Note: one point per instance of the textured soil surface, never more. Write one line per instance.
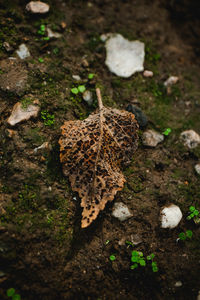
(44, 253)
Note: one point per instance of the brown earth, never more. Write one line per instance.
(44, 254)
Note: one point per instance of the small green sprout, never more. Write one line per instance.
(184, 235)
(81, 88)
(151, 256)
(48, 118)
(194, 213)
(129, 243)
(56, 51)
(154, 266)
(76, 90)
(41, 31)
(46, 38)
(112, 257)
(167, 131)
(107, 242)
(91, 76)
(41, 60)
(138, 259)
(11, 293)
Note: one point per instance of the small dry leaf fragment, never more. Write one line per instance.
(93, 152)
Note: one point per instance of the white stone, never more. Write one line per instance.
(37, 7)
(170, 216)
(190, 138)
(121, 211)
(198, 296)
(23, 51)
(148, 73)
(76, 77)
(152, 138)
(45, 145)
(171, 80)
(124, 57)
(178, 284)
(52, 34)
(20, 114)
(87, 96)
(197, 168)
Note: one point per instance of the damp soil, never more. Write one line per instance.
(44, 253)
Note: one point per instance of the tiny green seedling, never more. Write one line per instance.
(41, 60)
(107, 242)
(185, 235)
(112, 257)
(47, 118)
(129, 243)
(11, 293)
(138, 259)
(193, 214)
(167, 131)
(76, 90)
(91, 76)
(42, 29)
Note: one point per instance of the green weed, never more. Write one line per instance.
(48, 118)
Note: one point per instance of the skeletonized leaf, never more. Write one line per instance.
(93, 152)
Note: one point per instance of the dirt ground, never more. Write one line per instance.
(44, 253)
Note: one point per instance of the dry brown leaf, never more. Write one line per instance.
(93, 152)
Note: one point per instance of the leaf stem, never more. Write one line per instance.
(100, 103)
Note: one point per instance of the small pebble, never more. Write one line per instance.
(170, 216)
(7, 46)
(198, 296)
(87, 96)
(20, 114)
(178, 284)
(136, 239)
(76, 77)
(139, 115)
(121, 211)
(45, 145)
(151, 138)
(147, 73)
(52, 34)
(171, 80)
(190, 138)
(197, 168)
(23, 51)
(37, 7)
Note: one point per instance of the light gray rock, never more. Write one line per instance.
(136, 239)
(7, 46)
(76, 77)
(190, 139)
(121, 211)
(20, 114)
(52, 34)
(178, 284)
(170, 216)
(198, 296)
(87, 96)
(197, 168)
(37, 7)
(148, 73)
(23, 51)
(124, 57)
(152, 138)
(171, 80)
(44, 146)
